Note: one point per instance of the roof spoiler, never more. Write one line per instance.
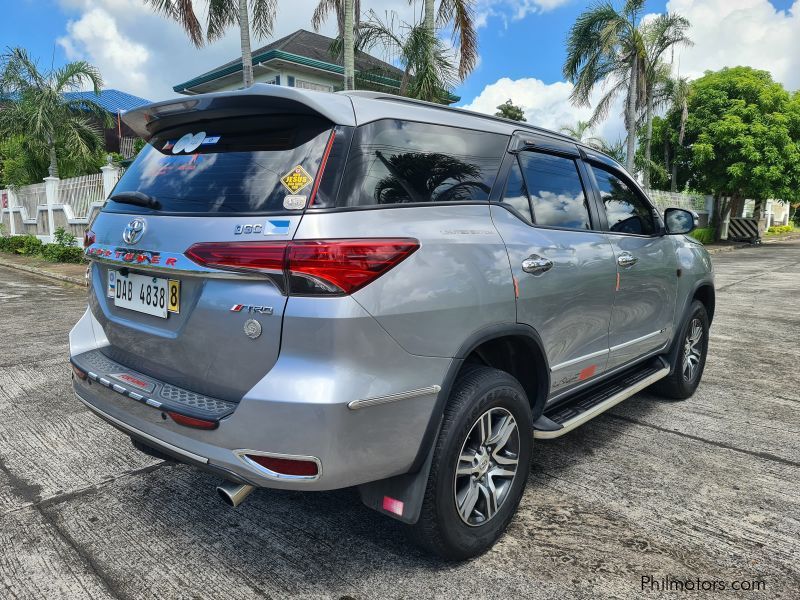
(260, 99)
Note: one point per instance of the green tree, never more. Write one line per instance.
(459, 13)
(348, 14)
(509, 110)
(426, 77)
(54, 130)
(221, 14)
(606, 45)
(742, 137)
(659, 35)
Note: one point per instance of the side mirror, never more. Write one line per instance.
(680, 221)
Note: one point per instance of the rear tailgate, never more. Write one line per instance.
(224, 168)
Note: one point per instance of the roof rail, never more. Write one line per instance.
(520, 124)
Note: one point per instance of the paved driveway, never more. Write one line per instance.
(708, 488)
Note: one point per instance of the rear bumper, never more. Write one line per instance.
(308, 406)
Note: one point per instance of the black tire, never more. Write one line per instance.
(678, 385)
(478, 392)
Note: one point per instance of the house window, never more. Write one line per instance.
(309, 85)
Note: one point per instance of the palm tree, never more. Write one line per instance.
(461, 14)
(39, 112)
(221, 14)
(580, 131)
(347, 11)
(676, 95)
(659, 35)
(426, 76)
(606, 44)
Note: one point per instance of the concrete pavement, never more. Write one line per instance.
(705, 489)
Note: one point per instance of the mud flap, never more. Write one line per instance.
(399, 497)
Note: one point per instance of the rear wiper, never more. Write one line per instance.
(137, 199)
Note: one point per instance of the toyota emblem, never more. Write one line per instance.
(133, 231)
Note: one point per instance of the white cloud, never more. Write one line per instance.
(97, 35)
(512, 9)
(741, 32)
(545, 104)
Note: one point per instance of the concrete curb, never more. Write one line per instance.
(79, 281)
(764, 241)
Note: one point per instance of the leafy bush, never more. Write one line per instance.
(63, 250)
(778, 229)
(62, 254)
(64, 238)
(704, 235)
(31, 246)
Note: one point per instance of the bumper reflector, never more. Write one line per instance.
(286, 466)
(191, 421)
(79, 373)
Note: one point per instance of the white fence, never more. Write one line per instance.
(80, 193)
(664, 200)
(31, 197)
(41, 208)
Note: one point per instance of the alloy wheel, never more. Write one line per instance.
(487, 465)
(692, 350)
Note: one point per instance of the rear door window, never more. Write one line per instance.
(402, 162)
(237, 165)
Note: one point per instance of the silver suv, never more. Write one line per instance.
(311, 291)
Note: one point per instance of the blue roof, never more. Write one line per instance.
(112, 100)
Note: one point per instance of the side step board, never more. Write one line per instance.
(575, 411)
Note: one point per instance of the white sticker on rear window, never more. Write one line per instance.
(294, 202)
(211, 139)
(189, 142)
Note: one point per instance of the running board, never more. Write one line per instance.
(585, 406)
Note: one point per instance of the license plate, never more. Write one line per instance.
(150, 295)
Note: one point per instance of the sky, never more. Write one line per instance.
(521, 45)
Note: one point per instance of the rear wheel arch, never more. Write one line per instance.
(530, 369)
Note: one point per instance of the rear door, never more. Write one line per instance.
(563, 265)
(644, 304)
(224, 181)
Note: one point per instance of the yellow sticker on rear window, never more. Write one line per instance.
(296, 179)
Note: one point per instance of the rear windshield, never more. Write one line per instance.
(237, 165)
(402, 162)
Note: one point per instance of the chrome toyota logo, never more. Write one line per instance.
(133, 231)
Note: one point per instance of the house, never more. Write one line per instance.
(118, 137)
(302, 59)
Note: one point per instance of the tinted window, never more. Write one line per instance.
(228, 166)
(556, 191)
(398, 162)
(516, 194)
(627, 212)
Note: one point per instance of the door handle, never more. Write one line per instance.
(536, 265)
(626, 259)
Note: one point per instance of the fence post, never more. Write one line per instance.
(12, 202)
(51, 191)
(110, 176)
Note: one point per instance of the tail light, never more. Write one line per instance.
(310, 267)
(88, 238)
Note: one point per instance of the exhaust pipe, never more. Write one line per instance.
(233, 494)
